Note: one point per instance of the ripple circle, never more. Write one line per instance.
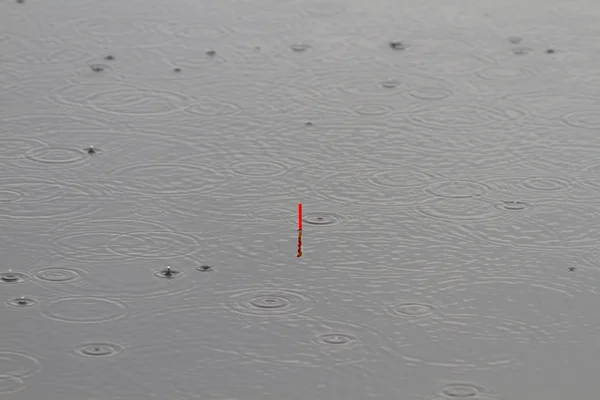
(336, 339)
(460, 390)
(138, 102)
(172, 179)
(585, 119)
(10, 384)
(555, 226)
(84, 310)
(120, 240)
(426, 93)
(322, 219)
(372, 109)
(56, 155)
(58, 274)
(15, 148)
(18, 365)
(48, 199)
(413, 310)
(458, 209)
(256, 169)
(98, 349)
(457, 189)
(213, 109)
(372, 188)
(461, 116)
(271, 303)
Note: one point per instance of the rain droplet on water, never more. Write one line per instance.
(390, 84)
(397, 45)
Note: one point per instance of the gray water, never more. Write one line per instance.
(450, 186)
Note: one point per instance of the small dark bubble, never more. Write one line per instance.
(571, 269)
(397, 45)
(308, 123)
(211, 52)
(205, 268)
(20, 1)
(550, 51)
(109, 57)
(177, 69)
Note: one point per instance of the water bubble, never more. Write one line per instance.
(177, 69)
(23, 302)
(300, 47)
(308, 123)
(571, 269)
(211, 52)
(550, 51)
(205, 268)
(109, 58)
(515, 39)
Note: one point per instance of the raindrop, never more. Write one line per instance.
(98, 67)
(23, 302)
(90, 150)
(413, 309)
(99, 349)
(336, 339)
(271, 303)
(514, 205)
(323, 219)
(300, 47)
(168, 273)
(460, 390)
(397, 45)
(390, 84)
(522, 50)
(12, 277)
